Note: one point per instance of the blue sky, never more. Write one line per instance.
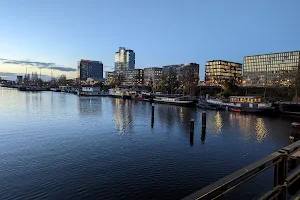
(161, 32)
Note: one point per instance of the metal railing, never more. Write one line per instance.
(282, 179)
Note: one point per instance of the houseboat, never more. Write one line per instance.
(211, 104)
(249, 104)
(121, 93)
(91, 91)
(55, 90)
(67, 89)
(180, 101)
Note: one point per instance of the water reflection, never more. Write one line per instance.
(172, 115)
(218, 123)
(249, 125)
(89, 106)
(261, 130)
(122, 115)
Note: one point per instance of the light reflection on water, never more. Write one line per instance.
(64, 144)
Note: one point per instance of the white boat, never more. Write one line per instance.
(121, 93)
(174, 101)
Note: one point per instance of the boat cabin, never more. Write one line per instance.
(245, 99)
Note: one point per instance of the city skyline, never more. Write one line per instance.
(206, 31)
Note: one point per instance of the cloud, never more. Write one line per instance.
(13, 76)
(43, 65)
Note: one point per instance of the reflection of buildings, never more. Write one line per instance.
(172, 115)
(122, 114)
(249, 124)
(89, 106)
(261, 131)
(218, 122)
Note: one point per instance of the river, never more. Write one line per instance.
(61, 146)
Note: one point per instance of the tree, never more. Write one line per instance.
(117, 80)
(162, 83)
(189, 81)
(172, 82)
(62, 80)
(99, 84)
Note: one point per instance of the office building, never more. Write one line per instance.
(139, 76)
(19, 79)
(109, 76)
(124, 59)
(152, 75)
(90, 69)
(131, 77)
(271, 69)
(218, 71)
(185, 73)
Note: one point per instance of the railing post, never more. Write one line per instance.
(280, 174)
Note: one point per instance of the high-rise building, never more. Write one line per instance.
(270, 69)
(124, 59)
(19, 79)
(90, 69)
(152, 75)
(217, 71)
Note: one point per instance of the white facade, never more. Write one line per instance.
(90, 89)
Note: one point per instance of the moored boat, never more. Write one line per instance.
(174, 101)
(249, 104)
(121, 93)
(211, 104)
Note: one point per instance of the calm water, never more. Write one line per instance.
(60, 146)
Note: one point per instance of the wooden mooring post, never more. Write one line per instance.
(203, 120)
(295, 132)
(192, 127)
(152, 116)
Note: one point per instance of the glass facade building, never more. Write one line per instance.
(109, 76)
(152, 75)
(131, 76)
(271, 69)
(90, 69)
(217, 71)
(124, 59)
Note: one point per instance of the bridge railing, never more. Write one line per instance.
(282, 179)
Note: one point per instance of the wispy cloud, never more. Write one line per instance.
(13, 76)
(43, 65)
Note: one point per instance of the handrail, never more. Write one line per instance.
(228, 183)
(231, 181)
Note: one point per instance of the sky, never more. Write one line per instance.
(56, 34)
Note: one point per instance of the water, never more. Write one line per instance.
(60, 146)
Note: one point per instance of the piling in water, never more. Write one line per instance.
(203, 134)
(152, 116)
(192, 126)
(295, 131)
(203, 119)
(191, 138)
(152, 110)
